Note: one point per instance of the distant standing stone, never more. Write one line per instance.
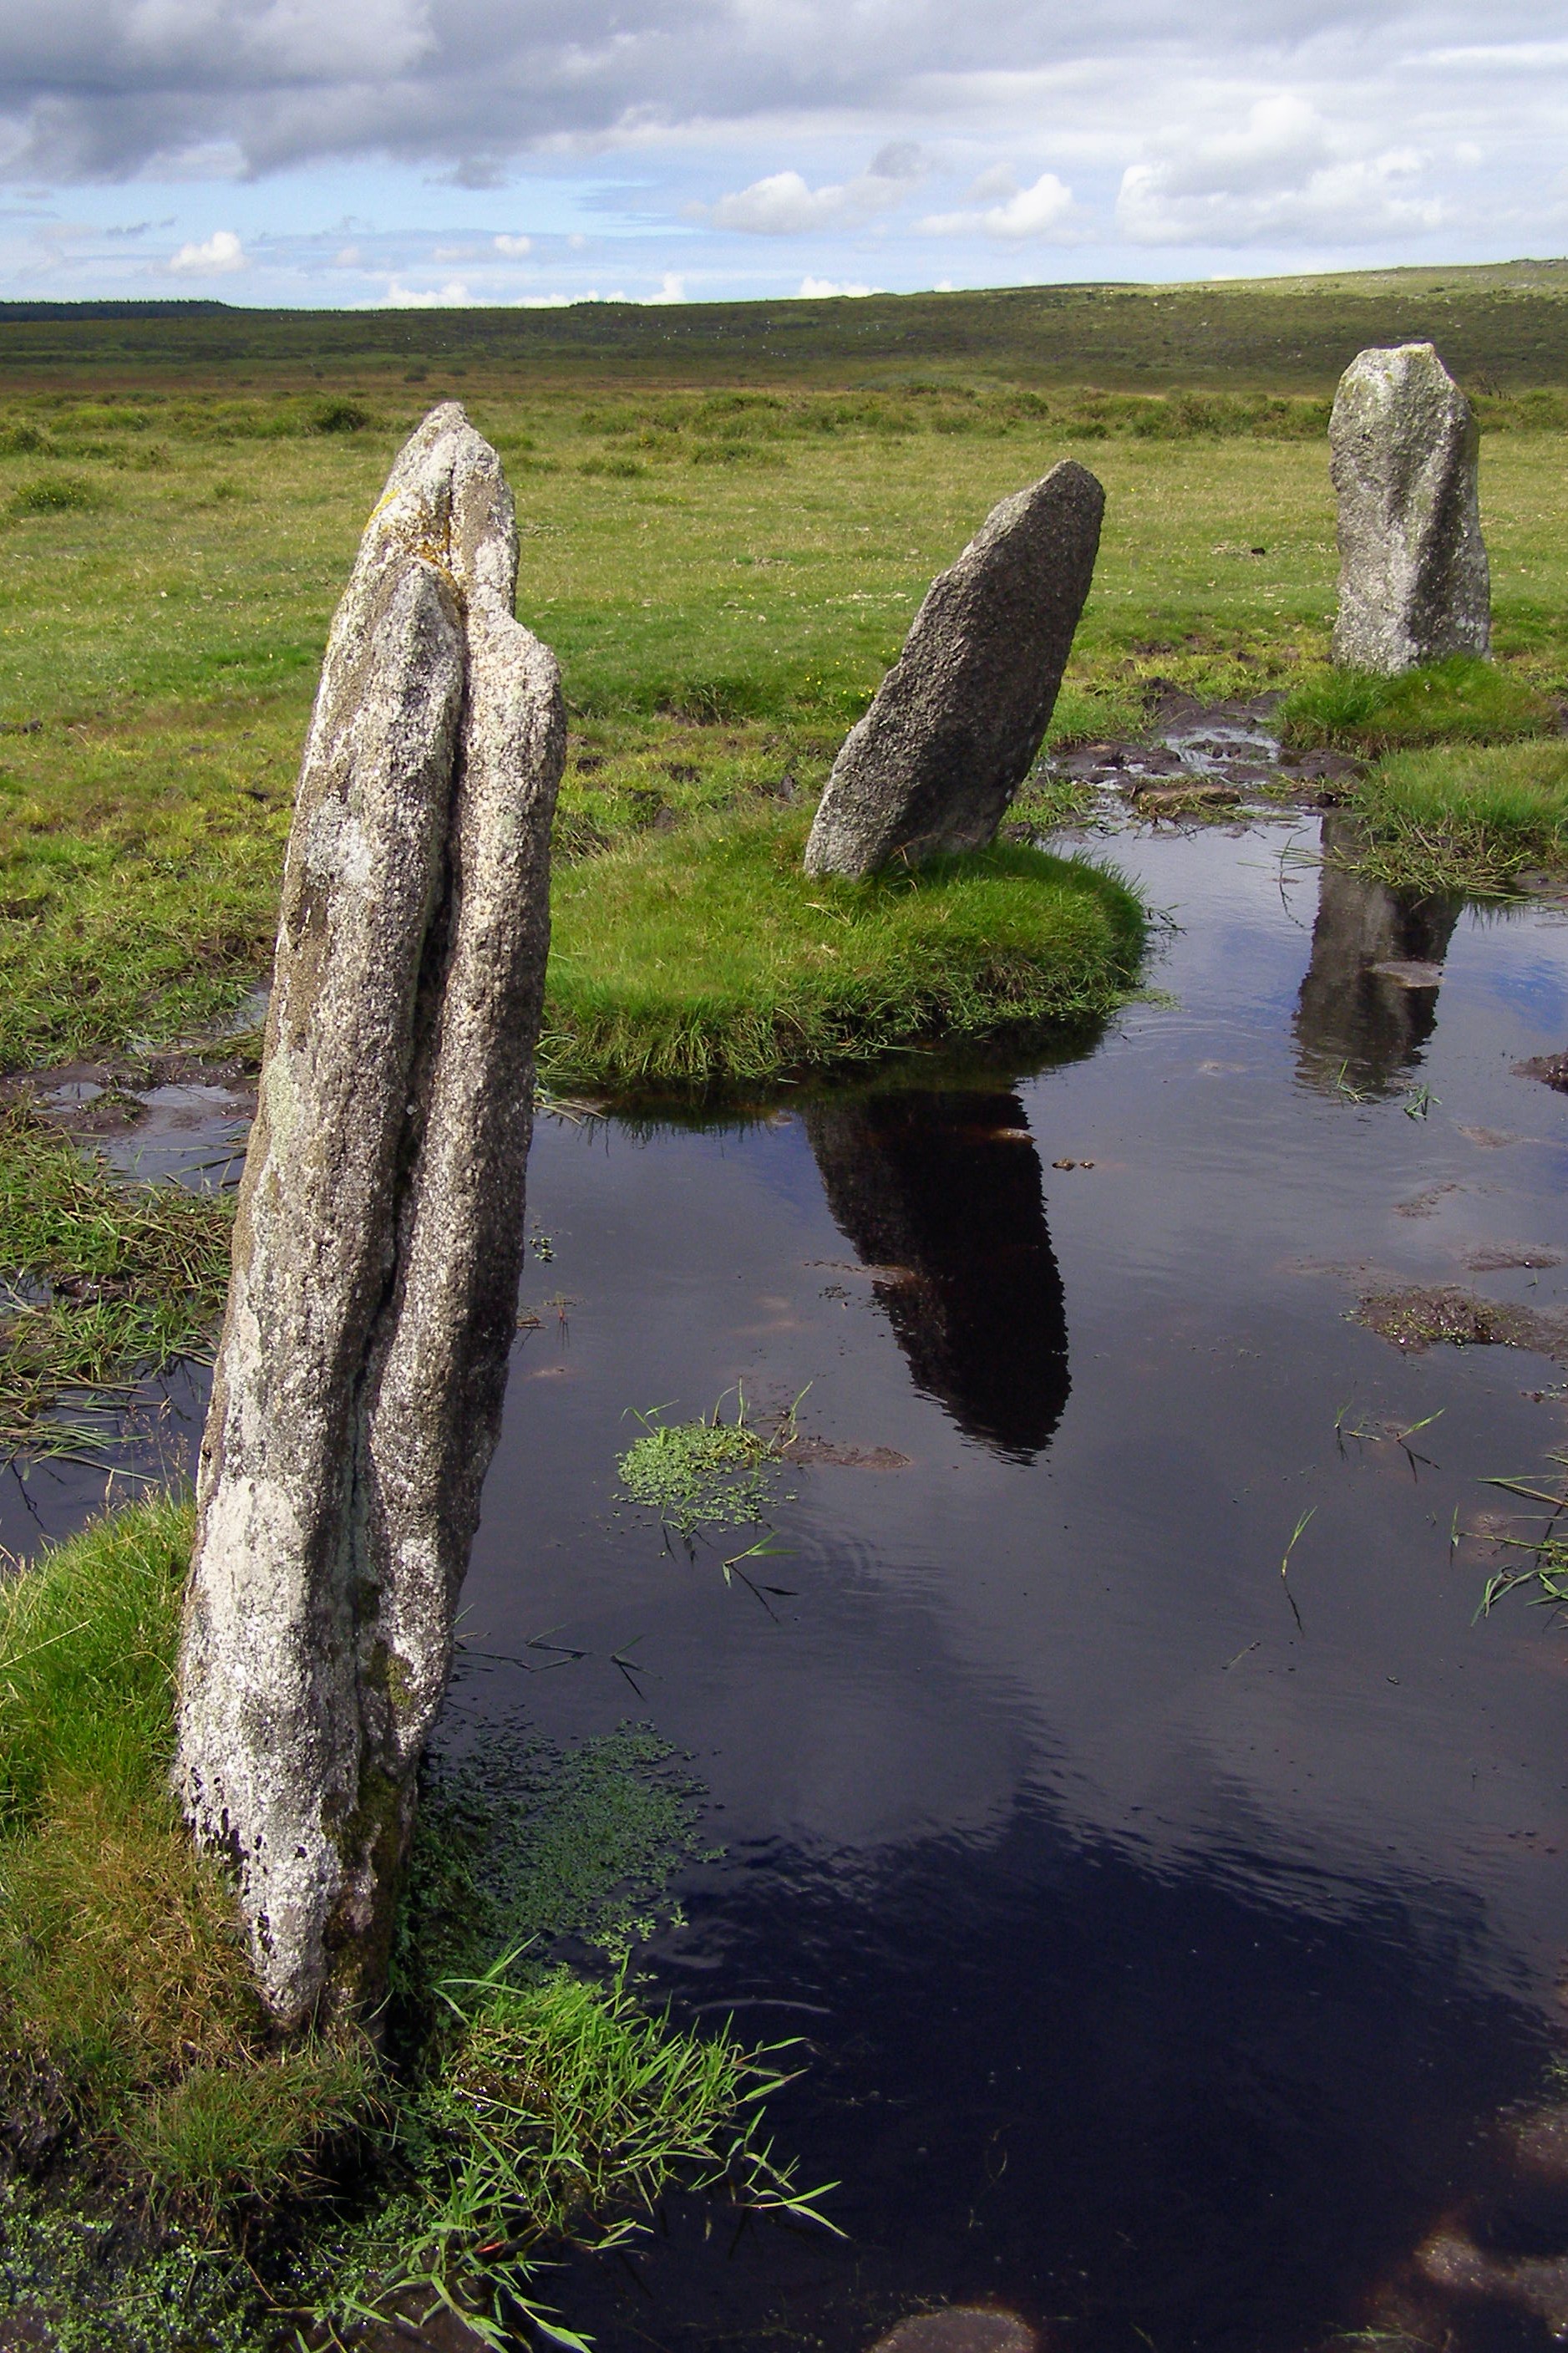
(958, 720)
(1413, 582)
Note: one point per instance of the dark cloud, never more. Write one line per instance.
(103, 89)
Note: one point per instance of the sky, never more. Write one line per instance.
(353, 153)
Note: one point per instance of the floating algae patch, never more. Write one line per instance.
(521, 1847)
(1421, 1316)
(704, 1473)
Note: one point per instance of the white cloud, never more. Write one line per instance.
(784, 206)
(453, 295)
(820, 288)
(1036, 211)
(215, 256)
(1283, 175)
(348, 257)
(514, 247)
(672, 289)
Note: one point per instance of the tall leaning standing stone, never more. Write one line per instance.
(958, 720)
(379, 1236)
(1413, 582)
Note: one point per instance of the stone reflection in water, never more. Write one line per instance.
(941, 1197)
(1368, 1000)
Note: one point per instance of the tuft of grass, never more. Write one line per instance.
(341, 416)
(1465, 819)
(1545, 1566)
(558, 2103)
(58, 494)
(106, 1280)
(708, 958)
(226, 2137)
(704, 1473)
(1460, 700)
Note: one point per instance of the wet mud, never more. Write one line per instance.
(1425, 1316)
(1206, 760)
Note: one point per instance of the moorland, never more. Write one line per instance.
(728, 517)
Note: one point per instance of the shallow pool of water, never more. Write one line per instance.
(1171, 1939)
(1163, 1962)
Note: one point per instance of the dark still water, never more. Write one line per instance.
(1171, 1971)
(1163, 1967)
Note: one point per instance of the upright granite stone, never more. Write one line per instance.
(958, 720)
(1413, 582)
(379, 1236)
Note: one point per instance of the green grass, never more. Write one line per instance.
(1500, 324)
(1460, 700)
(1462, 817)
(557, 2104)
(701, 1475)
(719, 626)
(708, 958)
(137, 2065)
(130, 1276)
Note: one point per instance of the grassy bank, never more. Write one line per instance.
(241, 2185)
(105, 1278)
(1468, 783)
(1466, 819)
(1460, 700)
(708, 957)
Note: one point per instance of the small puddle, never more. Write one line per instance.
(1205, 760)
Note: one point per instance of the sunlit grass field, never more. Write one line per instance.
(725, 576)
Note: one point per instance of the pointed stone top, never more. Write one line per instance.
(447, 498)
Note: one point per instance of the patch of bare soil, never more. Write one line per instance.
(845, 1458)
(1421, 1316)
(1552, 1070)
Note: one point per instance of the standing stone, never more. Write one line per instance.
(379, 1235)
(958, 720)
(1413, 582)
